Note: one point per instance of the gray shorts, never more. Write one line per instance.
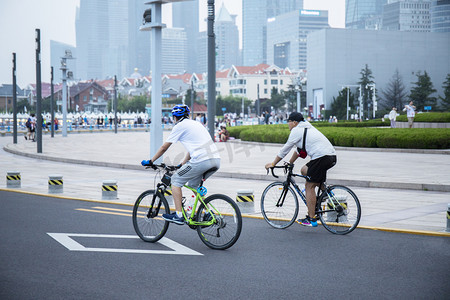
(192, 173)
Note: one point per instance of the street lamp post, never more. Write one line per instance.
(371, 86)
(68, 55)
(38, 93)
(348, 86)
(115, 104)
(14, 100)
(211, 69)
(52, 108)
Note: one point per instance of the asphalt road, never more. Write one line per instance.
(265, 263)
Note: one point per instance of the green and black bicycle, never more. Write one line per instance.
(216, 218)
(337, 206)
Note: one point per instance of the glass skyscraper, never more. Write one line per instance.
(185, 15)
(227, 39)
(287, 37)
(358, 11)
(440, 16)
(254, 26)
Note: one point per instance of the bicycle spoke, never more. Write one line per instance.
(340, 210)
(279, 206)
(225, 230)
(147, 220)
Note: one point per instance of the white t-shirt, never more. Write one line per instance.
(195, 138)
(317, 145)
(409, 111)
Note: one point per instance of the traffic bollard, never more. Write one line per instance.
(13, 179)
(55, 184)
(245, 201)
(109, 189)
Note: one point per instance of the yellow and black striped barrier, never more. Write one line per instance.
(13, 179)
(245, 200)
(242, 198)
(109, 189)
(55, 184)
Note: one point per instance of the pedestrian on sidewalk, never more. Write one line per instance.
(393, 116)
(410, 113)
(309, 141)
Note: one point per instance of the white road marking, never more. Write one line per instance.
(66, 240)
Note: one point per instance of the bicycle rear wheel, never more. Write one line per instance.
(339, 209)
(277, 212)
(147, 216)
(227, 228)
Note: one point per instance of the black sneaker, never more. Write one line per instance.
(174, 218)
(310, 222)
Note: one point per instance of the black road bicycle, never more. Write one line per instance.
(337, 206)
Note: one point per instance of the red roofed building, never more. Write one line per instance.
(243, 81)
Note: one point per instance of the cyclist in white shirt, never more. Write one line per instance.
(202, 156)
(323, 157)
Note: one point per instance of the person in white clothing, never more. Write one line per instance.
(323, 157)
(410, 113)
(393, 116)
(202, 157)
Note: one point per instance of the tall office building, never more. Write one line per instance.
(254, 26)
(287, 36)
(174, 51)
(116, 57)
(227, 39)
(202, 52)
(92, 37)
(407, 15)
(361, 14)
(186, 15)
(440, 16)
(139, 41)
(102, 38)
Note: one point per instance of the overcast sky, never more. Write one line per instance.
(56, 20)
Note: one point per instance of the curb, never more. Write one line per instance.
(387, 229)
(353, 183)
(398, 150)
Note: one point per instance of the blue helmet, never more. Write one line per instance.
(180, 110)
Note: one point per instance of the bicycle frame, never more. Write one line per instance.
(161, 188)
(290, 181)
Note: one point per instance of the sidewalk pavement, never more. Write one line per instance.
(401, 189)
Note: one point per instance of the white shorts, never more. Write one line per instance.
(192, 173)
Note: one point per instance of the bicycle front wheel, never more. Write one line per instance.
(339, 209)
(279, 205)
(226, 229)
(147, 216)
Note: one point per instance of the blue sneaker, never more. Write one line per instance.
(174, 218)
(311, 222)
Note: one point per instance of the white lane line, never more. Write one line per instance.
(66, 240)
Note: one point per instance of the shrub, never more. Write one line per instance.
(433, 117)
(416, 138)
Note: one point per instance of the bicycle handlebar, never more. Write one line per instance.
(163, 166)
(288, 168)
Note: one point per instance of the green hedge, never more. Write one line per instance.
(432, 117)
(416, 138)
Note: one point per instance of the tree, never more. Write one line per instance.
(232, 104)
(339, 105)
(394, 95)
(420, 94)
(366, 78)
(277, 100)
(446, 99)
